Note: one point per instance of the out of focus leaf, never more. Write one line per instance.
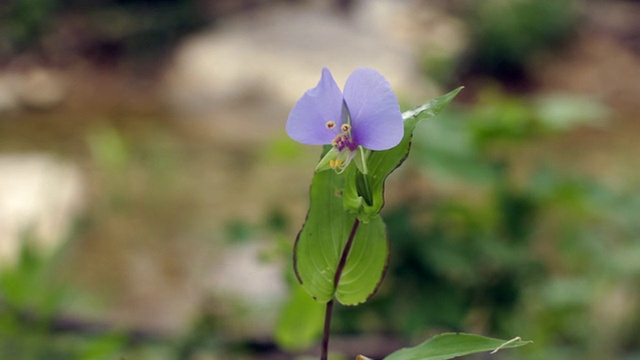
(300, 323)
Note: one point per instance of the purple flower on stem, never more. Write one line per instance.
(367, 116)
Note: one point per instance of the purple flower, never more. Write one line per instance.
(366, 116)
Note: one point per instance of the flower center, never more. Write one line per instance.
(343, 142)
(343, 139)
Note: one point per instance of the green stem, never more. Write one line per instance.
(336, 280)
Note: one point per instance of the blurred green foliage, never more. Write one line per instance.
(506, 35)
(300, 324)
(99, 28)
(24, 21)
(31, 325)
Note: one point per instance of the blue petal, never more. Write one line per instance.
(376, 120)
(308, 118)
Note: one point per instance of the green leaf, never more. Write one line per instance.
(451, 345)
(322, 239)
(300, 323)
(382, 163)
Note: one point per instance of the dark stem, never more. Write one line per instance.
(336, 280)
(327, 330)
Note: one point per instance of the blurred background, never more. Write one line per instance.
(150, 198)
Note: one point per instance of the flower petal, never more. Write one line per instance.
(376, 120)
(308, 118)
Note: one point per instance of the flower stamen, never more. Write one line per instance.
(330, 125)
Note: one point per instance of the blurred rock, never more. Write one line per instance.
(41, 88)
(36, 88)
(8, 99)
(39, 194)
(247, 290)
(246, 74)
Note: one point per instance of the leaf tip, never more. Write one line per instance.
(515, 339)
(362, 357)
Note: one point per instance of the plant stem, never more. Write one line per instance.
(336, 280)
(327, 330)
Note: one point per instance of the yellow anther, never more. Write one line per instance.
(330, 124)
(336, 163)
(345, 127)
